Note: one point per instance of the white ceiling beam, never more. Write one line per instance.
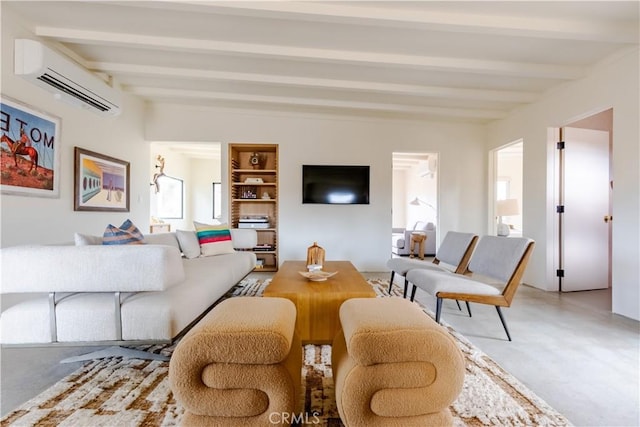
(150, 92)
(318, 83)
(444, 64)
(549, 27)
(410, 157)
(200, 154)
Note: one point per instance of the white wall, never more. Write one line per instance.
(359, 233)
(426, 188)
(399, 202)
(49, 220)
(614, 84)
(204, 173)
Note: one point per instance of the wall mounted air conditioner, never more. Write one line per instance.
(67, 80)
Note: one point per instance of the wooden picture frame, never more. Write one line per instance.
(30, 150)
(101, 183)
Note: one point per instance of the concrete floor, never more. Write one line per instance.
(568, 348)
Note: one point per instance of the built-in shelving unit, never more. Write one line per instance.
(253, 177)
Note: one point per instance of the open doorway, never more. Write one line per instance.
(198, 166)
(506, 190)
(415, 200)
(584, 183)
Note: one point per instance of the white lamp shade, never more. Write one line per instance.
(507, 207)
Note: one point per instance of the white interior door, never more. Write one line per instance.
(585, 234)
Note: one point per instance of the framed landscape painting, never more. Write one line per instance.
(29, 150)
(101, 183)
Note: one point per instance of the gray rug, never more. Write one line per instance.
(133, 392)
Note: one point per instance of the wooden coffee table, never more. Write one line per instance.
(318, 302)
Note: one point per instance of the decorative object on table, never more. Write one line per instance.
(507, 207)
(315, 254)
(318, 275)
(101, 182)
(30, 156)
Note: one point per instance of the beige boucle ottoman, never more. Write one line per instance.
(393, 365)
(240, 365)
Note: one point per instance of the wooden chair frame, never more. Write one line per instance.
(461, 268)
(502, 300)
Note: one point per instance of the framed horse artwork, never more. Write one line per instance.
(29, 150)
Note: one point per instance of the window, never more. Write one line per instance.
(217, 200)
(169, 197)
(502, 188)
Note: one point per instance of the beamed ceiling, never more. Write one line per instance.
(464, 61)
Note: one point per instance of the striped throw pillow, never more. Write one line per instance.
(214, 239)
(126, 234)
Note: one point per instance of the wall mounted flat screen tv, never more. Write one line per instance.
(335, 184)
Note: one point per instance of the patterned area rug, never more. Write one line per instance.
(133, 392)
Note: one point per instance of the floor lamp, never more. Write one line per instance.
(419, 202)
(507, 207)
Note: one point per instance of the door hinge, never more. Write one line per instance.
(560, 209)
(560, 272)
(560, 145)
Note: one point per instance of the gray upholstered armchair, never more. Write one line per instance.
(401, 238)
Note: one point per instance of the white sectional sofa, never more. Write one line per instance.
(113, 294)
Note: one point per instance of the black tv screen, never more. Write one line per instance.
(330, 184)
